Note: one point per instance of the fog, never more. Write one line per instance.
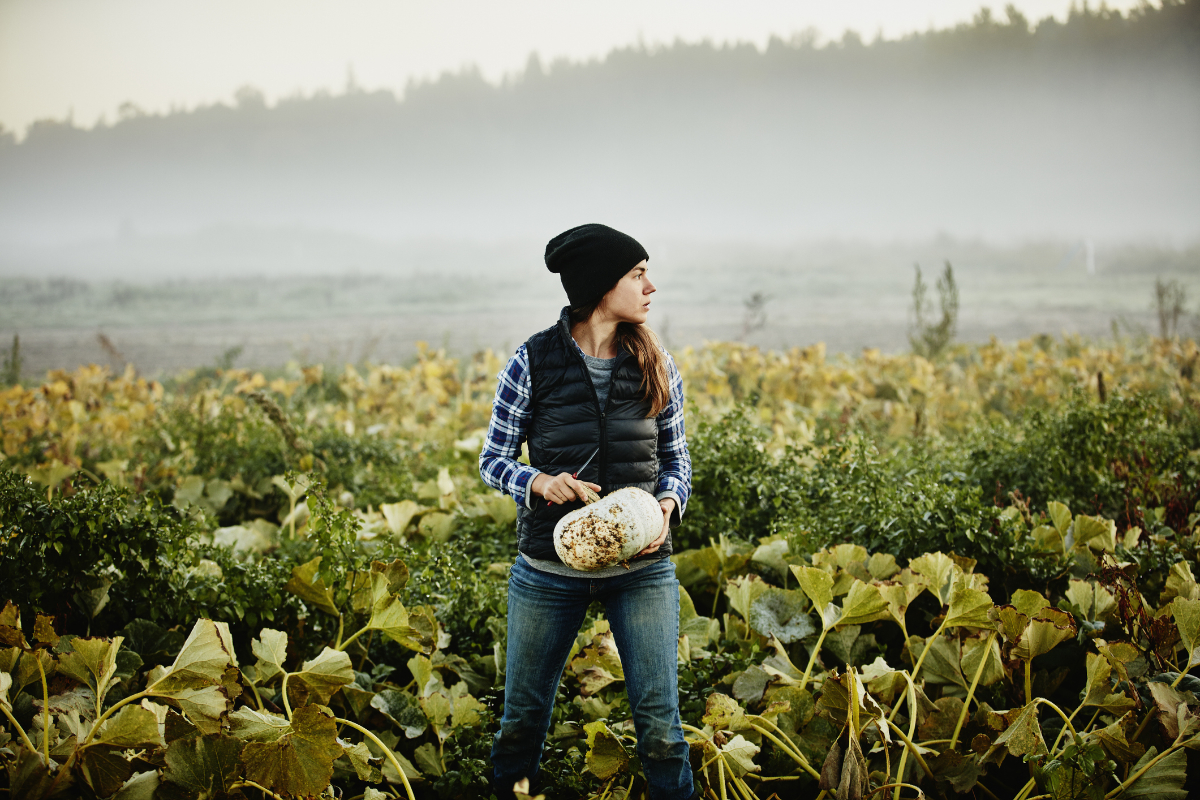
(998, 137)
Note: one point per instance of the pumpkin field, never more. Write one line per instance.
(972, 575)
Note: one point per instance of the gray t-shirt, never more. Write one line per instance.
(601, 371)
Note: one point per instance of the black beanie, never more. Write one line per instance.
(590, 259)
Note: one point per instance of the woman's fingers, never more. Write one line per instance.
(662, 537)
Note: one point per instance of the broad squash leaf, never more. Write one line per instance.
(299, 763)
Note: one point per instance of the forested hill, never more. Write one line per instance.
(1000, 127)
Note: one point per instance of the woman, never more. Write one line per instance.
(595, 386)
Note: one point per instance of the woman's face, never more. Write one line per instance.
(629, 300)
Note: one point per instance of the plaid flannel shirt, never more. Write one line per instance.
(509, 426)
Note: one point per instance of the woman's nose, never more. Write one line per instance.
(650, 287)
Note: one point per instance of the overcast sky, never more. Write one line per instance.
(87, 57)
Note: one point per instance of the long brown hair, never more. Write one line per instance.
(641, 343)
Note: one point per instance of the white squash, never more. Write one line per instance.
(609, 530)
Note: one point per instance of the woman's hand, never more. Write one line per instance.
(561, 488)
(667, 504)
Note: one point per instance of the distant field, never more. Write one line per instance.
(849, 296)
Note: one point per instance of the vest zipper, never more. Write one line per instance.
(602, 467)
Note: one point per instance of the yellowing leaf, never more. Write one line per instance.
(863, 604)
(203, 679)
(271, 649)
(1028, 602)
(743, 591)
(1099, 687)
(1187, 619)
(131, 727)
(816, 583)
(1060, 516)
(968, 608)
(324, 675)
(310, 587)
(606, 756)
(1045, 632)
(92, 662)
(1024, 736)
(724, 713)
(299, 763)
(1096, 532)
(939, 570)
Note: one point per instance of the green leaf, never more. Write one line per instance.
(104, 769)
(300, 762)
(863, 604)
(773, 556)
(366, 766)
(257, 726)
(1187, 619)
(816, 583)
(1099, 687)
(941, 665)
(973, 651)
(1112, 738)
(781, 613)
(1028, 602)
(203, 766)
(849, 645)
(1024, 736)
(1011, 623)
(1046, 631)
(699, 630)
(399, 515)
(882, 566)
(1164, 780)
(92, 662)
(598, 664)
(131, 727)
(310, 587)
(899, 597)
(1093, 601)
(1060, 515)
(968, 608)
(465, 710)
(697, 568)
(606, 756)
(28, 776)
(743, 591)
(1096, 532)
(939, 570)
(271, 649)
(323, 675)
(427, 759)
(203, 679)
(403, 709)
(151, 641)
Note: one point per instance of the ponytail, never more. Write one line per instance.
(641, 343)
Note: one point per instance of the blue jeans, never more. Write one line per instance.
(545, 612)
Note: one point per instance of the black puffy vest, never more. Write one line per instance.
(567, 425)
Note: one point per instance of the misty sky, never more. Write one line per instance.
(60, 57)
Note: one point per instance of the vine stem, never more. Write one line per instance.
(262, 789)
(785, 743)
(962, 717)
(721, 776)
(1028, 681)
(1044, 702)
(112, 709)
(909, 744)
(45, 708)
(812, 659)
(912, 729)
(1058, 738)
(349, 641)
(897, 786)
(1180, 676)
(287, 707)
(920, 660)
(17, 725)
(387, 751)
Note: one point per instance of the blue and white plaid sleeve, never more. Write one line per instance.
(674, 460)
(507, 431)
